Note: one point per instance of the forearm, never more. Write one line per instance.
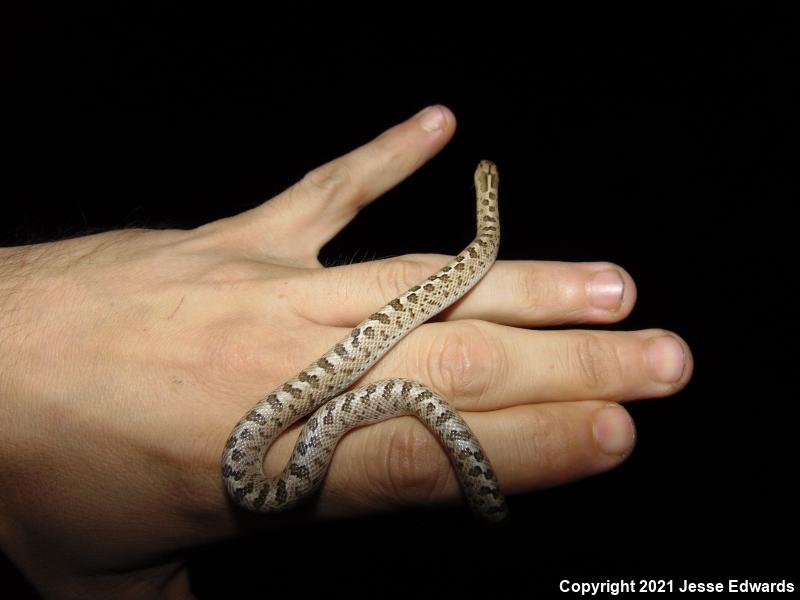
(12, 277)
(32, 461)
(15, 269)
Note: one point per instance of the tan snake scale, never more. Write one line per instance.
(321, 387)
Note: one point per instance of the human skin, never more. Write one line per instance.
(127, 357)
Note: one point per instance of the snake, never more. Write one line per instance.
(321, 390)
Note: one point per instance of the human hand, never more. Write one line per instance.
(127, 357)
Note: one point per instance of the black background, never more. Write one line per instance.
(658, 140)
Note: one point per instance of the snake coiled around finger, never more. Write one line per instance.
(323, 388)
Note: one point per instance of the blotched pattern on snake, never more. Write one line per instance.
(322, 387)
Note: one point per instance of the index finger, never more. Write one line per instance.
(524, 293)
(311, 212)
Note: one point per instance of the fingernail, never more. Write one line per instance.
(665, 358)
(613, 430)
(605, 290)
(431, 118)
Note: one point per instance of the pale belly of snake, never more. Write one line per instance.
(322, 386)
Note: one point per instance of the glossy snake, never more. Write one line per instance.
(321, 386)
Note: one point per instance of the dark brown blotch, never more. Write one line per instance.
(425, 395)
(255, 417)
(280, 491)
(326, 365)
(347, 403)
(443, 418)
(262, 496)
(382, 318)
(300, 471)
(457, 434)
(291, 390)
(308, 378)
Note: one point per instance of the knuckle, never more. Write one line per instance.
(535, 434)
(332, 181)
(595, 360)
(397, 275)
(415, 469)
(387, 153)
(535, 289)
(229, 355)
(465, 361)
(540, 445)
(231, 272)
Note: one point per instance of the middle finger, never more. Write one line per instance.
(484, 366)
